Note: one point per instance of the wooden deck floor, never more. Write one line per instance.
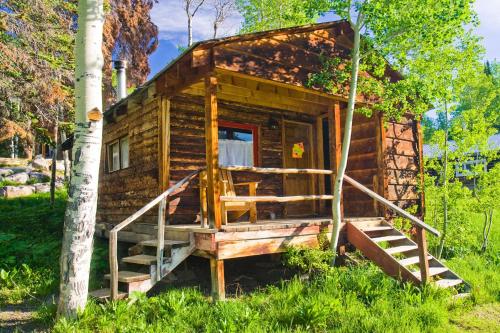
(258, 226)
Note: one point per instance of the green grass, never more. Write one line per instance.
(345, 299)
(356, 299)
(30, 245)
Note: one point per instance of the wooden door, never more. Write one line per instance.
(299, 136)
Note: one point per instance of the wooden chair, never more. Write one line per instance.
(231, 211)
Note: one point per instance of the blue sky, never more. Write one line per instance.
(171, 21)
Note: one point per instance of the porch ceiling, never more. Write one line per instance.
(247, 89)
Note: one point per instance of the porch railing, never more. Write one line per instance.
(113, 234)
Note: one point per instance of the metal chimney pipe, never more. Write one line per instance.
(121, 78)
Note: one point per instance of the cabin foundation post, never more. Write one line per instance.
(218, 282)
(212, 152)
(334, 115)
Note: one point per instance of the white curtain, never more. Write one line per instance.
(236, 152)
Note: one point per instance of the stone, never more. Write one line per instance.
(41, 163)
(39, 177)
(16, 191)
(60, 165)
(4, 172)
(42, 188)
(21, 177)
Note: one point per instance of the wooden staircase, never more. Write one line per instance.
(138, 271)
(399, 256)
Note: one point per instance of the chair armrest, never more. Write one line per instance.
(246, 183)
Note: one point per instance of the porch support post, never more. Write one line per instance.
(335, 144)
(212, 152)
(218, 282)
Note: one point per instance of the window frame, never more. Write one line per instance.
(247, 127)
(109, 157)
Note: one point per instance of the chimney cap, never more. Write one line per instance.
(120, 64)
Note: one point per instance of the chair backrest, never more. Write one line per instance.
(227, 179)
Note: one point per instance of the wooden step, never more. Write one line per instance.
(433, 271)
(127, 276)
(401, 249)
(411, 260)
(379, 228)
(105, 293)
(140, 259)
(168, 242)
(447, 283)
(388, 238)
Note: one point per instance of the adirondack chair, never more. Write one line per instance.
(231, 211)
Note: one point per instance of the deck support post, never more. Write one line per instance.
(335, 144)
(212, 152)
(422, 254)
(218, 282)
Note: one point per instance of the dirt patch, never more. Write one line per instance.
(482, 318)
(20, 318)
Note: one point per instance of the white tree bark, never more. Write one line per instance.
(79, 220)
(346, 141)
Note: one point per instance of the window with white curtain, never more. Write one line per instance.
(236, 146)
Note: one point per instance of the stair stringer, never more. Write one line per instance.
(177, 256)
(375, 253)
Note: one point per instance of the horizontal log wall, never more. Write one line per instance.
(187, 152)
(402, 160)
(361, 166)
(123, 192)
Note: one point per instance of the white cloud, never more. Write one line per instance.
(171, 20)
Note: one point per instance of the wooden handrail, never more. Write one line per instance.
(113, 234)
(415, 221)
(277, 170)
(272, 198)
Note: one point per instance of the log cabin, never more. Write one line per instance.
(228, 153)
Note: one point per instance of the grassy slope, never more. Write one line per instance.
(346, 299)
(30, 243)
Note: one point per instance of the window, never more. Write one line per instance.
(238, 144)
(118, 154)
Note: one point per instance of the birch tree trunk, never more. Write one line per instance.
(346, 141)
(190, 30)
(445, 185)
(79, 220)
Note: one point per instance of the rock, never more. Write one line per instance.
(60, 165)
(4, 172)
(21, 177)
(42, 188)
(41, 163)
(16, 191)
(39, 177)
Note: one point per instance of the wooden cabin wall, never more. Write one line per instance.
(361, 166)
(402, 162)
(399, 164)
(187, 151)
(123, 192)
